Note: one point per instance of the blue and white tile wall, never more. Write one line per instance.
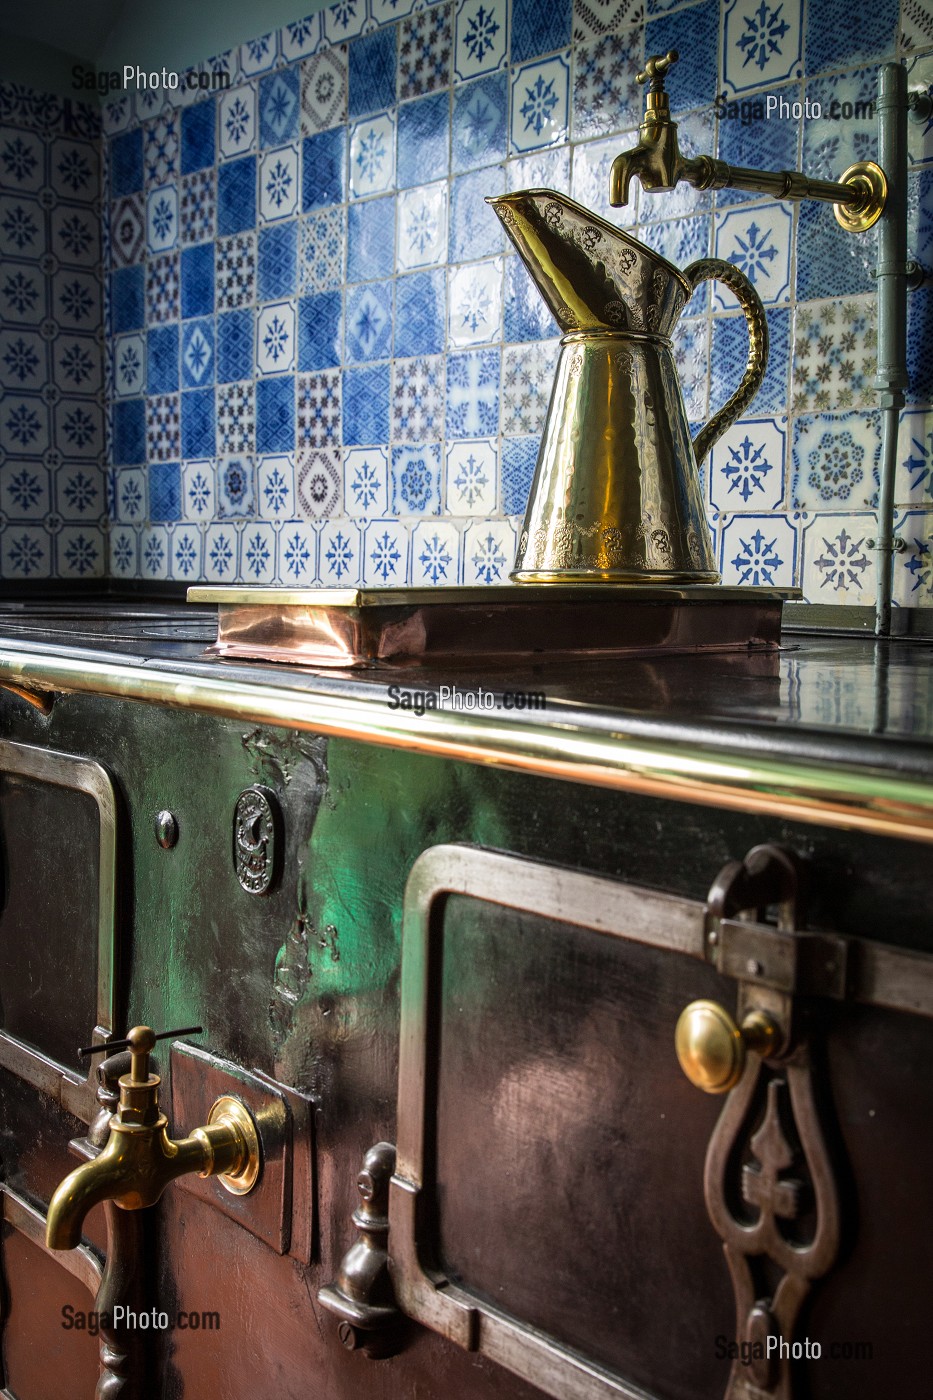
(325, 366)
(53, 508)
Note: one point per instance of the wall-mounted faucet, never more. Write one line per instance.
(658, 163)
(140, 1159)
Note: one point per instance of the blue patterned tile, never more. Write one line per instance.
(279, 104)
(846, 130)
(127, 299)
(75, 299)
(761, 43)
(750, 138)
(606, 97)
(540, 114)
(694, 33)
(730, 356)
(320, 336)
(371, 238)
(236, 195)
(298, 553)
(519, 458)
(839, 33)
(488, 552)
(479, 122)
(79, 492)
(160, 149)
(473, 394)
(257, 554)
(276, 488)
(124, 553)
(424, 51)
(920, 345)
(365, 481)
(366, 406)
(838, 564)
(236, 417)
(197, 353)
(757, 239)
(759, 550)
(198, 492)
(321, 250)
(435, 554)
(527, 380)
(164, 491)
(197, 136)
(185, 547)
(197, 280)
(154, 551)
(318, 482)
(234, 346)
(372, 72)
(129, 432)
(920, 79)
(482, 38)
(323, 163)
(27, 552)
(836, 461)
(539, 28)
(475, 303)
(277, 261)
(418, 399)
(163, 428)
(221, 548)
(162, 360)
(344, 20)
(835, 355)
(385, 554)
(235, 271)
(369, 321)
(474, 229)
(319, 409)
(80, 553)
(198, 215)
(275, 414)
(746, 468)
(275, 338)
(526, 315)
(472, 471)
(324, 90)
(126, 163)
(236, 485)
(423, 140)
(26, 491)
(416, 479)
(237, 121)
(420, 313)
(162, 290)
(278, 184)
(130, 502)
(162, 219)
(197, 423)
(300, 37)
(830, 261)
(372, 155)
(258, 55)
(422, 226)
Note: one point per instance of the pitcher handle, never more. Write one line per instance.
(705, 270)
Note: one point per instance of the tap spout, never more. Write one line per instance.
(133, 1170)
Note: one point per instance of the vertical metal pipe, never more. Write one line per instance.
(891, 378)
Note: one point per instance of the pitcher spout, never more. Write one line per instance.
(592, 275)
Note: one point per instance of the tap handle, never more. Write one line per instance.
(656, 69)
(139, 1042)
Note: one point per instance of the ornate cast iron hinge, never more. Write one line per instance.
(769, 1184)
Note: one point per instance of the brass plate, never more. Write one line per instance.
(355, 627)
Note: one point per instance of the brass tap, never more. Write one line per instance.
(656, 160)
(140, 1159)
(859, 197)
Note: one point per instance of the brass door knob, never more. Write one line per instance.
(712, 1049)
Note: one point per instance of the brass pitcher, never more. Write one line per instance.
(616, 491)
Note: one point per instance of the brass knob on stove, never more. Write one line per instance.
(712, 1049)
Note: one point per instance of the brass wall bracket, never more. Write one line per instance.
(870, 180)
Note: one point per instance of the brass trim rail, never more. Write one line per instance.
(868, 799)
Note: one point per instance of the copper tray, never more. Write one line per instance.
(366, 626)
